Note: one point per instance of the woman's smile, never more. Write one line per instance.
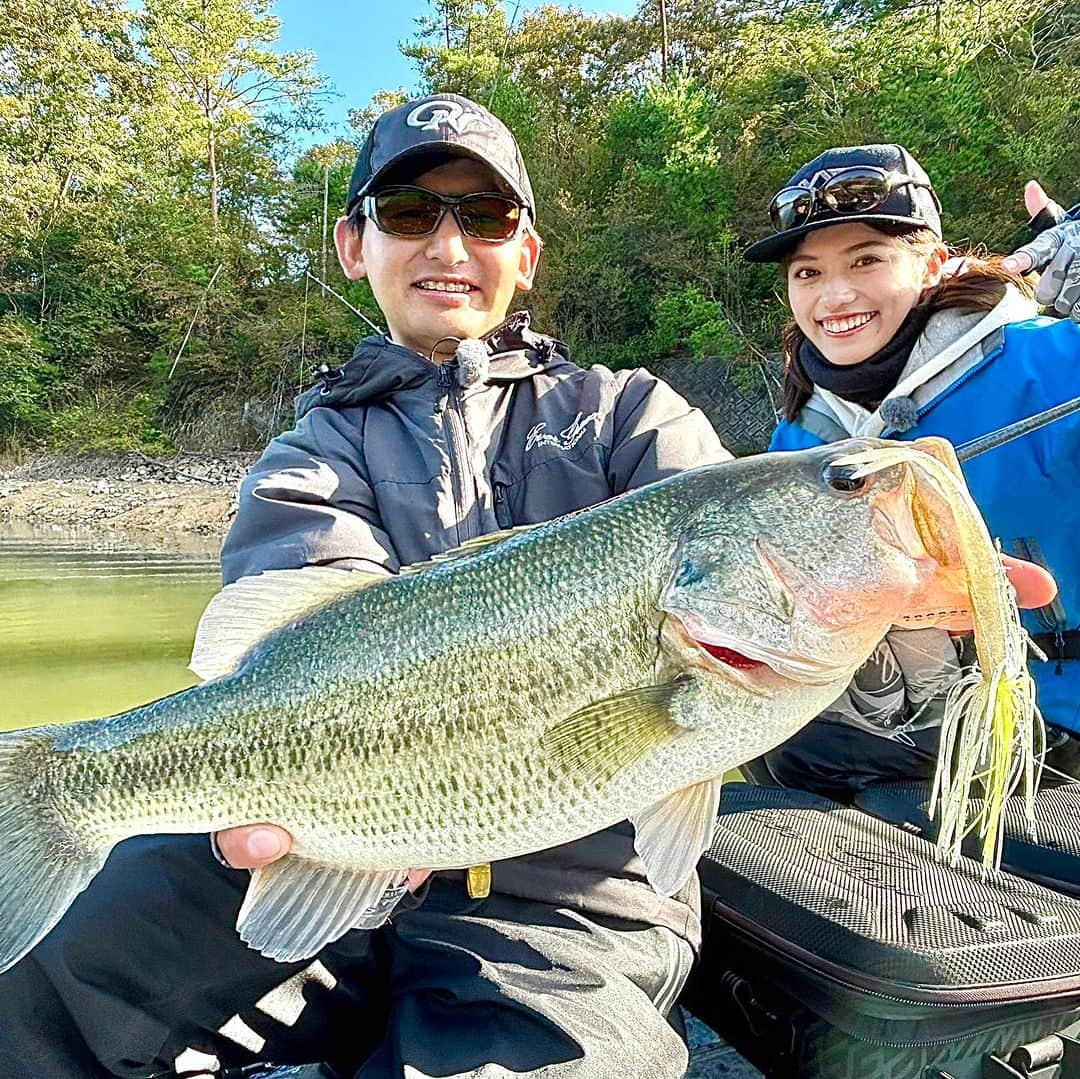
(846, 325)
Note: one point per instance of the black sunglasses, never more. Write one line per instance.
(855, 190)
(414, 211)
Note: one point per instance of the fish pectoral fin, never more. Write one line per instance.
(611, 734)
(671, 835)
(294, 907)
(250, 609)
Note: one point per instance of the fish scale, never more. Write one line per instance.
(530, 690)
(331, 738)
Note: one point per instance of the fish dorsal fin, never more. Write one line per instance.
(466, 549)
(294, 907)
(671, 835)
(250, 609)
(609, 735)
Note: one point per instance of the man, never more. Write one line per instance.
(458, 422)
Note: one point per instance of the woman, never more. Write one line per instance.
(894, 336)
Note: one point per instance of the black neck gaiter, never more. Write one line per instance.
(867, 382)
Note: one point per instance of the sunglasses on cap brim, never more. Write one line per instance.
(855, 190)
(414, 211)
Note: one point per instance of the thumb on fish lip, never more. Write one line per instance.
(1034, 586)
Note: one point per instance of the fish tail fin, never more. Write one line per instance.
(43, 863)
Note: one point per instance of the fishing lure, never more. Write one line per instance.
(992, 736)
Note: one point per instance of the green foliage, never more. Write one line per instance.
(156, 224)
(109, 424)
(684, 319)
(25, 376)
(661, 145)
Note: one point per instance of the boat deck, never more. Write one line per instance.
(712, 1058)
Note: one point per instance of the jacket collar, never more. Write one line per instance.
(379, 368)
(949, 347)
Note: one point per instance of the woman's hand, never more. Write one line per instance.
(253, 845)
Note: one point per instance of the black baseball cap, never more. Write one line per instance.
(913, 204)
(433, 125)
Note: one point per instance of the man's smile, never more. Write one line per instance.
(447, 292)
(433, 284)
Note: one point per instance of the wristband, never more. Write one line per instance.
(1050, 215)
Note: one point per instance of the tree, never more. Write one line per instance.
(218, 78)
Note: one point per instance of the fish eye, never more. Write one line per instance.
(843, 479)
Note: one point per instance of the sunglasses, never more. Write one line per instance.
(855, 190)
(413, 211)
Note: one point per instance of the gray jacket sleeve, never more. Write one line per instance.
(307, 502)
(902, 687)
(657, 433)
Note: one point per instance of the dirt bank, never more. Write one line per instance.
(190, 494)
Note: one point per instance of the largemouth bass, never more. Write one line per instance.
(520, 693)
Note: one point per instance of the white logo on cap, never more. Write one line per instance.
(432, 115)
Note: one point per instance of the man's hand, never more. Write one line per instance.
(254, 845)
(1034, 586)
(1055, 253)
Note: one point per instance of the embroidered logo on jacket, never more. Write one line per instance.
(567, 438)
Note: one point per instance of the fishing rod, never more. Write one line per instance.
(972, 448)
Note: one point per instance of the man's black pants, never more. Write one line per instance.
(147, 963)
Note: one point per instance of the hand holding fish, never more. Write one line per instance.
(1034, 586)
(254, 845)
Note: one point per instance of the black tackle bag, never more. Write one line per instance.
(840, 946)
(1047, 851)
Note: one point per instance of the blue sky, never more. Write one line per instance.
(356, 42)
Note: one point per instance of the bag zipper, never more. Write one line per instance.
(988, 995)
(1053, 615)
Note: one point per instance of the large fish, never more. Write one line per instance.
(533, 688)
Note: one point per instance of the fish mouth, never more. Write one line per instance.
(750, 660)
(951, 619)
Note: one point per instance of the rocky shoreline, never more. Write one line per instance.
(188, 495)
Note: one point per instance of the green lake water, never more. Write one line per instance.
(94, 623)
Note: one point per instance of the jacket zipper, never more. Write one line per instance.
(502, 510)
(1053, 615)
(971, 372)
(458, 449)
